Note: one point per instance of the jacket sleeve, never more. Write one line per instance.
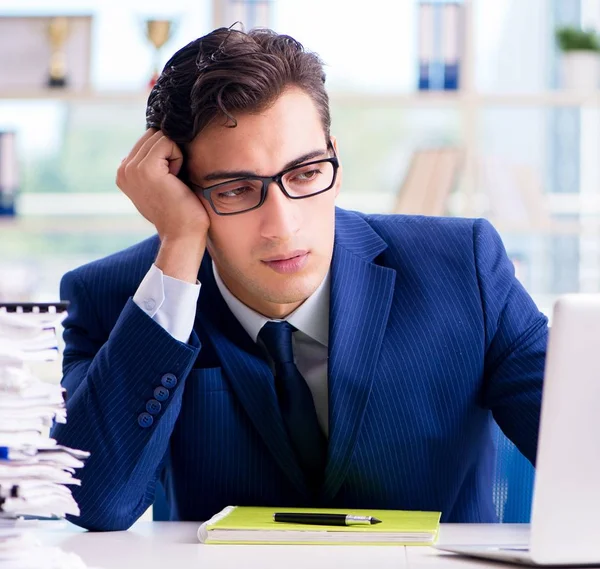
(516, 335)
(109, 377)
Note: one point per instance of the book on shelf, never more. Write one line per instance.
(431, 177)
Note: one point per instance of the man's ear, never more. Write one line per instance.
(338, 180)
(334, 143)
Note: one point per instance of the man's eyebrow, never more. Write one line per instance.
(231, 174)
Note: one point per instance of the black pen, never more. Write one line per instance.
(325, 519)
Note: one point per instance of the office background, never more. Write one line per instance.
(530, 148)
(526, 145)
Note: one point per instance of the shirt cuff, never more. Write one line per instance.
(169, 302)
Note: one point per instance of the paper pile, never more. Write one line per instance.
(35, 471)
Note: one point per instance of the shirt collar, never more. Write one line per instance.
(311, 317)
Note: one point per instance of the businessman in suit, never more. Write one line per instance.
(268, 348)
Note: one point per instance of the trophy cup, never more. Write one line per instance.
(159, 33)
(58, 31)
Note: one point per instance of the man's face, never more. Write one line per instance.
(274, 257)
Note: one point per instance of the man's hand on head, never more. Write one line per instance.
(148, 177)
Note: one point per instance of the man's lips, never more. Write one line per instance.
(286, 256)
(288, 263)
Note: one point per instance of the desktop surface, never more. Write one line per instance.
(165, 545)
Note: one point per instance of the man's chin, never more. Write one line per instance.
(291, 292)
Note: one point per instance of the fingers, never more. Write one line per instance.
(141, 147)
(126, 163)
(166, 148)
(173, 155)
(163, 148)
(175, 164)
(152, 154)
(136, 147)
(145, 147)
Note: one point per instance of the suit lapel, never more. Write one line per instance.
(247, 372)
(361, 296)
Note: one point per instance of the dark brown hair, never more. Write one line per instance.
(229, 71)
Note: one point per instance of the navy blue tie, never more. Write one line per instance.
(296, 403)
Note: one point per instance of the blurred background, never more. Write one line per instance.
(477, 108)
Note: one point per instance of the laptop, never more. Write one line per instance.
(565, 518)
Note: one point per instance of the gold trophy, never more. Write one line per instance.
(58, 31)
(158, 32)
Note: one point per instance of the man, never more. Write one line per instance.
(266, 348)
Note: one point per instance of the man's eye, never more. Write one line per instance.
(307, 175)
(236, 192)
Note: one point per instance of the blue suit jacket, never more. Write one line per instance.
(430, 336)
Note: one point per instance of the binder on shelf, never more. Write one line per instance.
(440, 32)
(9, 177)
(426, 44)
(452, 32)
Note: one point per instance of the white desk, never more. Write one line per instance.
(173, 545)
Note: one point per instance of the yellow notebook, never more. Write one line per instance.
(247, 525)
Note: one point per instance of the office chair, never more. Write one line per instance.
(513, 482)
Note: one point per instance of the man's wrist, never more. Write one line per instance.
(180, 257)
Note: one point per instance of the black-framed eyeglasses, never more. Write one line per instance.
(297, 183)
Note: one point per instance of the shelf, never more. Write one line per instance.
(543, 229)
(80, 212)
(65, 95)
(58, 225)
(574, 204)
(424, 99)
(546, 99)
(471, 100)
(136, 225)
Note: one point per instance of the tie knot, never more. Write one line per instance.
(277, 337)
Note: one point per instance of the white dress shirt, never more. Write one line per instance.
(172, 304)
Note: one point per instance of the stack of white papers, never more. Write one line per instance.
(29, 335)
(21, 549)
(35, 472)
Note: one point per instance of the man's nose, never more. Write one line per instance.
(280, 214)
